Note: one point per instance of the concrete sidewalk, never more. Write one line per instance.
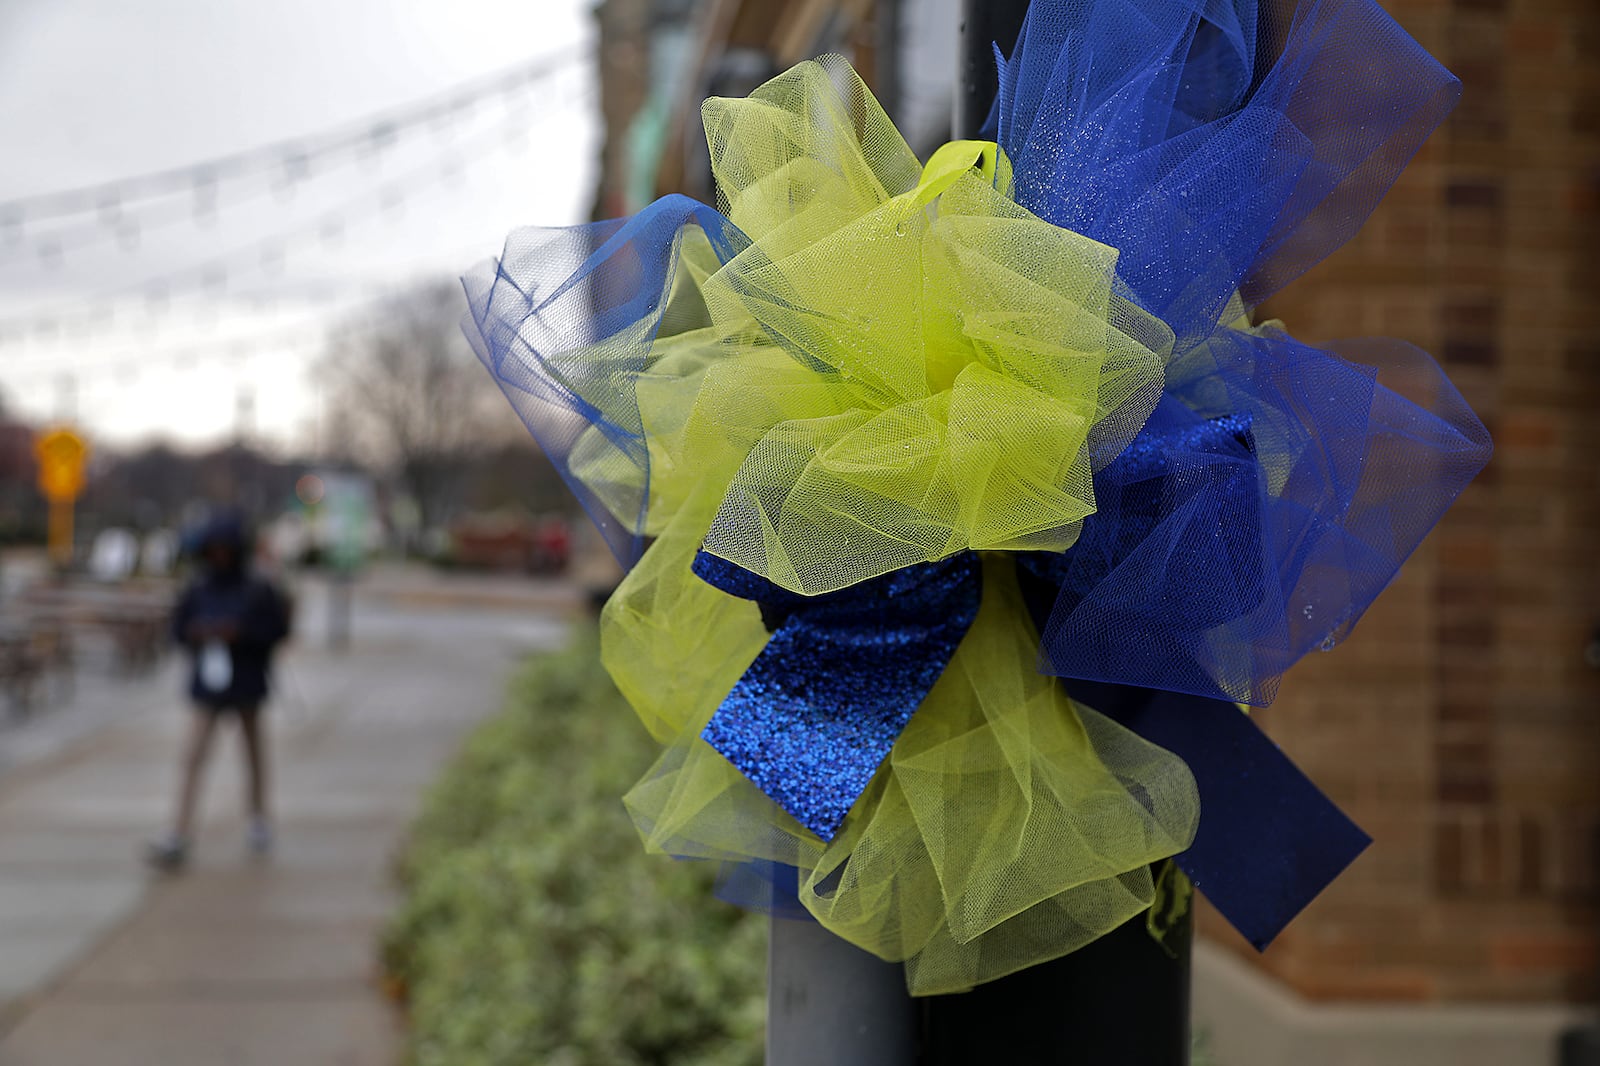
(239, 961)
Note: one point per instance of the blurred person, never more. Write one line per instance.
(230, 619)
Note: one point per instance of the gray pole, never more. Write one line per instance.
(983, 22)
(830, 1002)
(1121, 999)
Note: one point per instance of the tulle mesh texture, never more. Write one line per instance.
(1224, 148)
(1221, 145)
(865, 364)
(860, 364)
(564, 321)
(1218, 575)
(1007, 826)
(883, 365)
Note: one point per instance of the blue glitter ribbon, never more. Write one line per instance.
(817, 712)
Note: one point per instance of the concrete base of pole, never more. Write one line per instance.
(830, 1002)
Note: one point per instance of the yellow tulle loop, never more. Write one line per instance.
(951, 161)
(945, 393)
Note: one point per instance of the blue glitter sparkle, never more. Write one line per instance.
(817, 712)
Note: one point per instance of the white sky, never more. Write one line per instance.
(93, 90)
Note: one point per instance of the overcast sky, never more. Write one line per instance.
(94, 90)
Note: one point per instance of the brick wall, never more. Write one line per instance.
(1460, 724)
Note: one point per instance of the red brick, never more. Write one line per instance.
(1367, 985)
(1527, 429)
(1530, 857)
(1521, 952)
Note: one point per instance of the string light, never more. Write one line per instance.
(125, 211)
(272, 156)
(211, 277)
(99, 214)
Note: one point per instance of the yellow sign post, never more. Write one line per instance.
(61, 454)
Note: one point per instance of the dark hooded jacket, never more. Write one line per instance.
(254, 609)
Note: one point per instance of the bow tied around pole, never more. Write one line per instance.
(966, 504)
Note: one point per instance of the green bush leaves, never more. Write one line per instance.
(535, 931)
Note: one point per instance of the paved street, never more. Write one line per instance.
(240, 961)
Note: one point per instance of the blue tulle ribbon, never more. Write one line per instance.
(1221, 146)
(562, 314)
(1278, 487)
(1227, 148)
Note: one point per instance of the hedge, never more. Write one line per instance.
(534, 929)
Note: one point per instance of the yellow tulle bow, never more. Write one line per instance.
(903, 364)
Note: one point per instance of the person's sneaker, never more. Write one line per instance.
(167, 854)
(259, 836)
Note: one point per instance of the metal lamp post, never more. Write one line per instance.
(1121, 1001)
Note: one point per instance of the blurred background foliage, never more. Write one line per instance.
(535, 929)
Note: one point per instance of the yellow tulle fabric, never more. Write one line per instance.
(903, 365)
(1008, 826)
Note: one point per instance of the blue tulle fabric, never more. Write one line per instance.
(1219, 145)
(564, 315)
(1225, 148)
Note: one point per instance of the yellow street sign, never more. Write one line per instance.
(61, 454)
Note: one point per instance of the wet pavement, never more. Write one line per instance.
(241, 960)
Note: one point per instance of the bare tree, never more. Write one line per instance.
(406, 395)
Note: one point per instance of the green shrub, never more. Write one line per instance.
(535, 931)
